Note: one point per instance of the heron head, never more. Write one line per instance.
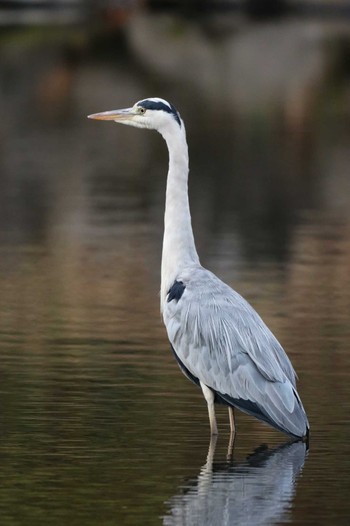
(153, 113)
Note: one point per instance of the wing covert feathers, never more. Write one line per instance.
(220, 340)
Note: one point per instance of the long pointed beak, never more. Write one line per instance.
(114, 115)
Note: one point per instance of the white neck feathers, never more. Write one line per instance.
(179, 249)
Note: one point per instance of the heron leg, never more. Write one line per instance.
(231, 415)
(209, 396)
(231, 443)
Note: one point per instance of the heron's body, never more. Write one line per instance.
(218, 339)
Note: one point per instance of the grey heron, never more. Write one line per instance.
(218, 339)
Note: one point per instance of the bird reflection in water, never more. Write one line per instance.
(256, 492)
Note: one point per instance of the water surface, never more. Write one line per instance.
(98, 425)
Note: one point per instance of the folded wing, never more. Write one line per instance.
(220, 340)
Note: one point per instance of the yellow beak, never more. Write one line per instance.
(114, 115)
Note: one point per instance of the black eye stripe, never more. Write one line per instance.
(153, 105)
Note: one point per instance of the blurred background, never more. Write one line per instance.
(97, 424)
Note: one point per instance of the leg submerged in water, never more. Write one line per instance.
(231, 415)
(231, 443)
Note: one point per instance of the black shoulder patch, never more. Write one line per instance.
(157, 105)
(176, 290)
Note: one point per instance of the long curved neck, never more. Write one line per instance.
(179, 249)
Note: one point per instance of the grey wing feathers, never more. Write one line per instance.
(223, 342)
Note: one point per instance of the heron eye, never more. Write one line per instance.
(142, 110)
